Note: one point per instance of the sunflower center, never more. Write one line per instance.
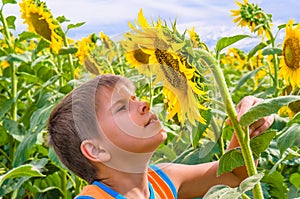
(170, 68)
(295, 106)
(41, 26)
(291, 52)
(141, 57)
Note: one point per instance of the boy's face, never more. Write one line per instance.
(126, 121)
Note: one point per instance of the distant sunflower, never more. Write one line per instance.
(85, 47)
(254, 17)
(290, 62)
(41, 21)
(153, 48)
(135, 56)
(235, 58)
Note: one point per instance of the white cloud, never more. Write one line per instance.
(210, 18)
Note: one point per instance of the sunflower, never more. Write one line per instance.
(254, 17)
(84, 48)
(290, 61)
(41, 21)
(153, 48)
(235, 58)
(178, 87)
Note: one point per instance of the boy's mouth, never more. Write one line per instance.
(153, 118)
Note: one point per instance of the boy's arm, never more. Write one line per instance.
(195, 180)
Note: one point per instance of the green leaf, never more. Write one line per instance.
(295, 180)
(70, 50)
(62, 19)
(230, 160)
(55, 160)
(21, 171)
(222, 192)
(227, 41)
(199, 130)
(9, 1)
(261, 142)
(39, 119)
(70, 26)
(42, 45)
(11, 22)
(5, 107)
(265, 108)
(278, 188)
(12, 185)
(245, 78)
(24, 149)
(295, 119)
(13, 129)
(258, 47)
(272, 51)
(17, 58)
(288, 138)
(250, 182)
(27, 35)
(168, 152)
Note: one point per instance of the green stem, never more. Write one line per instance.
(64, 183)
(242, 137)
(151, 91)
(217, 131)
(276, 67)
(69, 58)
(14, 82)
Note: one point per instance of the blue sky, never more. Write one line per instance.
(211, 18)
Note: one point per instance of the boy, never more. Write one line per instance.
(105, 135)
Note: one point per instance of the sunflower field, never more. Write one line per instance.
(192, 89)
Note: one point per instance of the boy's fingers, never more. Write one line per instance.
(245, 104)
(261, 125)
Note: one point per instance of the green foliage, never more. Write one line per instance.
(226, 192)
(34, 79)
(265, 108)
(227, 41)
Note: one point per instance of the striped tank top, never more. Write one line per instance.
(160, 187)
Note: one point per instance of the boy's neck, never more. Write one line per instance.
(129, 185)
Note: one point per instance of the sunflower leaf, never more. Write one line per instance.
(258, 47)
(230, 160)
(261, 142)
(77, 25)
(288, 138)
(69, 50)
(11, 22)
(265, 108)
(271, 51)
(9, 1)
(21, 171)
(245, 78)
(227, 41)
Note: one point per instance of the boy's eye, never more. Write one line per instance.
(121, 108)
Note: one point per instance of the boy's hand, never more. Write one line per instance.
(259, 126)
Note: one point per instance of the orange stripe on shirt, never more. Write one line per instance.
(159, 185)
(95, 192)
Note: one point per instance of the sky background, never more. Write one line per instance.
(211, 18)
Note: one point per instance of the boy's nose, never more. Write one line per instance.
(143, 107)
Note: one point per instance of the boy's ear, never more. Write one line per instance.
(94, 152)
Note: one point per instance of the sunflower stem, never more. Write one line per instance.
(275, 61)
(14, 83)
(69, 57)
(151, 87)
(242, 136)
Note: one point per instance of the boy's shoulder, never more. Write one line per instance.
(93, 191)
